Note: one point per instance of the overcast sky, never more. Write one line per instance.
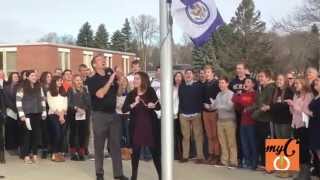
(28, 20)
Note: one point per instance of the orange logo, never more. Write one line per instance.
(282, 155)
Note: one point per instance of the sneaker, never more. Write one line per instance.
(74, 157)
(232, 167)
(100, 177)
(34, 159)
(282, 174)
(199, 161)
(219, 165)
(184, 160)
(121, 178)
(27, 160)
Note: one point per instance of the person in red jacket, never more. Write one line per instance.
(243, 103)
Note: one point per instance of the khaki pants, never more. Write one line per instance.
(195, 124)
(210, 125)
(227, 139)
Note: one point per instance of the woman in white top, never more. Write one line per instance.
(58, 104)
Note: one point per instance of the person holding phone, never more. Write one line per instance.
(106, 123)
(144, 126)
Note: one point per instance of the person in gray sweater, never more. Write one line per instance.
(226, 124)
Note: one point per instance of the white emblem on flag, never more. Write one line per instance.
(198, 13)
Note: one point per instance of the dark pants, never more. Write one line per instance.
(125, 139)
(177, 140)
(282, 131)
(1, 134)
(249, 146)
(238, 136)
(262, 133)
(156, 155)
(44, 135)
(32, 138)
(78, 135)
(107, 126)
(12, 134)
(301, 135)
(57, 133)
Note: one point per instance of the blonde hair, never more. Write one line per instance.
(121, 89)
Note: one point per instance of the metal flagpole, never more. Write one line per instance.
(166, 90)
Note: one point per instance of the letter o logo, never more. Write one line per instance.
(281, 169)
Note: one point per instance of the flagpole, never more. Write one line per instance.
(166, 90)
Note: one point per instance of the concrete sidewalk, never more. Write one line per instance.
(15, 169)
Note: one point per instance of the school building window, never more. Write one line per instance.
(126, 65)
(87, 57)
(108, 59)
(64, 58)
(8, 60)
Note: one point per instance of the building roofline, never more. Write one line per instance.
(67, 46)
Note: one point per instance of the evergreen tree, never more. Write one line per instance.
(85, 36)
(117, 41)
(253, 41)
(101, 39)
(127, 35)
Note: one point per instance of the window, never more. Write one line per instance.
(11, 63)
(8, 59)
(108, 60)
(87, 57)
(64, 58)
(126, 65)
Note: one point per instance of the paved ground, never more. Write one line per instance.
(15, 169)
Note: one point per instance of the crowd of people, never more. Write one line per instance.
(217, 121)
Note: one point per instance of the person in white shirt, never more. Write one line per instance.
(226, 124)
(58, 105)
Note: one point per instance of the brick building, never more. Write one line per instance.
(49, 56)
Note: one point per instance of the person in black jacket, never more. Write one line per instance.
(144, 125)
(12, 133)
(281, 115)
(2, 119)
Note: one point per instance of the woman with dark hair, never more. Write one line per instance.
(58, 104)
(45, 80)
(31, 107)
(144, 125)
(314, 125)
(12, 132)
(178, 79)
(79, 104)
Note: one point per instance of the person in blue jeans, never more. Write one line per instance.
(243, 102)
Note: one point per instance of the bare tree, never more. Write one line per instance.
(303, 17)
(145, 31)
(55, 38)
